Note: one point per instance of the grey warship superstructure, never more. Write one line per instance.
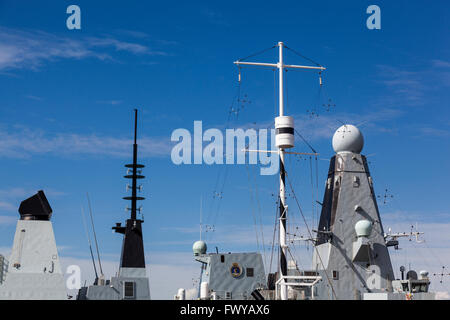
(131, 282)
(33, 271)
(350, 258)
(229, 276)
(351, 248)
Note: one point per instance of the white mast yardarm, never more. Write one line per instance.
(284, 126)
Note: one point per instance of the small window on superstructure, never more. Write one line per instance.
(250, 272)
(335, 275)
(355, 181)
(222, 258)
(128, 290)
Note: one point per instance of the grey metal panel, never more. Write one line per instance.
(354, 278)
(221, 280)
(33, 270)
(115, 288)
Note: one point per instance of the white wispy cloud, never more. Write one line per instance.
(36, 98)
(435, 132)
(37, 142)
(111, 102)
(407, 87)
(413, 86)
(440, 63)
(324, 126)
(21, 49)
(118, 45)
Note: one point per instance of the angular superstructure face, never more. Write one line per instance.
(33, 271)
(233, 276)
(353, 265)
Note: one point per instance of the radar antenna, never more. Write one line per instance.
(391, 239)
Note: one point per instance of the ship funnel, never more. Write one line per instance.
(35, 208)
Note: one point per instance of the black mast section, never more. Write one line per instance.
(133, 246)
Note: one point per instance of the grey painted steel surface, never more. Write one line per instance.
(114, 289)
(351, 266)
(225, 280)
(33, 271)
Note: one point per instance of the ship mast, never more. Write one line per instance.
(135, 174)
(133, 247)
(284, 126)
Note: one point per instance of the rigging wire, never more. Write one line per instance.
(302, 56)
(304, 140)
(257, 53)
(260, 217)
(313, 207)
(275, 225)
(318, 209)
(214, 207)
(309, 233)
(287, 91)
(253, 213)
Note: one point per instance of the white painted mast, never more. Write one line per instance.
(285, 139)
(201, 209)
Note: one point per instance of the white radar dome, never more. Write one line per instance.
(363, 228)
(348, 138)
(199, 247)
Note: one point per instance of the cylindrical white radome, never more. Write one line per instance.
(204, 290)
(284, 130)
(181, 294)
(363, 228)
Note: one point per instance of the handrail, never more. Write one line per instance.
(280, 282)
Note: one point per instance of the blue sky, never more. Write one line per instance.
(66, 101)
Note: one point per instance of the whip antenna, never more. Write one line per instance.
(95, 236)
(89, 242)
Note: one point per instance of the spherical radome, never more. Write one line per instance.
(348, 138)
(363, 228)
(199, 247)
